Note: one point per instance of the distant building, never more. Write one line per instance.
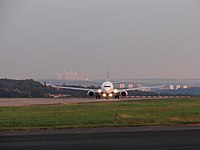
(122, 85)
(57, 95)
(185, 87)
(178, 87)
(65, 75)
(171, 87)
(130, 86)
(139, 85)
(145, 90)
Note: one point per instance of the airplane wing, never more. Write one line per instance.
(71, 88)
(144, 87)
(117, 82)
(96, 82)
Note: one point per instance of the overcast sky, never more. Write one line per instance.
(139, 38)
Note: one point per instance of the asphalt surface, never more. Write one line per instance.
(58, 101)
(144, 138)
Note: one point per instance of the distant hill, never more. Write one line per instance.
(29, 88)
(21, 88)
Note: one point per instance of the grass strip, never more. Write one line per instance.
(105, 114)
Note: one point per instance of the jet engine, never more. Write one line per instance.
(123, 93)
(91, 93)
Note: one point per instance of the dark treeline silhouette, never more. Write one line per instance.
(21, 88)
(29, 88)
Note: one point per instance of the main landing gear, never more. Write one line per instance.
(107, 97)
(117, 97)
(98, 97)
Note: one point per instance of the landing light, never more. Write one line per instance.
(110, 95)
(115, 91)
(104, 95)
(99, 91)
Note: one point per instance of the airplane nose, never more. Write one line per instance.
(107, 90)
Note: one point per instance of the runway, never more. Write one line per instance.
(143, 138)
(59, 101)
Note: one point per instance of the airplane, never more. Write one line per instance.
(107, 89)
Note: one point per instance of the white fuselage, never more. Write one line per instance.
(107, 87)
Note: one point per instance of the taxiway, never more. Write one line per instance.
(60, 101)
(143, 138)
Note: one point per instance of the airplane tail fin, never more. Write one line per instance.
(164, 84)
(50, 82)
(107, 77)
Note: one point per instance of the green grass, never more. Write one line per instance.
(107, 114)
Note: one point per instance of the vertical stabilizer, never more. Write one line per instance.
(107, 72)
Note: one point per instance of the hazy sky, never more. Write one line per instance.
(139, 38)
